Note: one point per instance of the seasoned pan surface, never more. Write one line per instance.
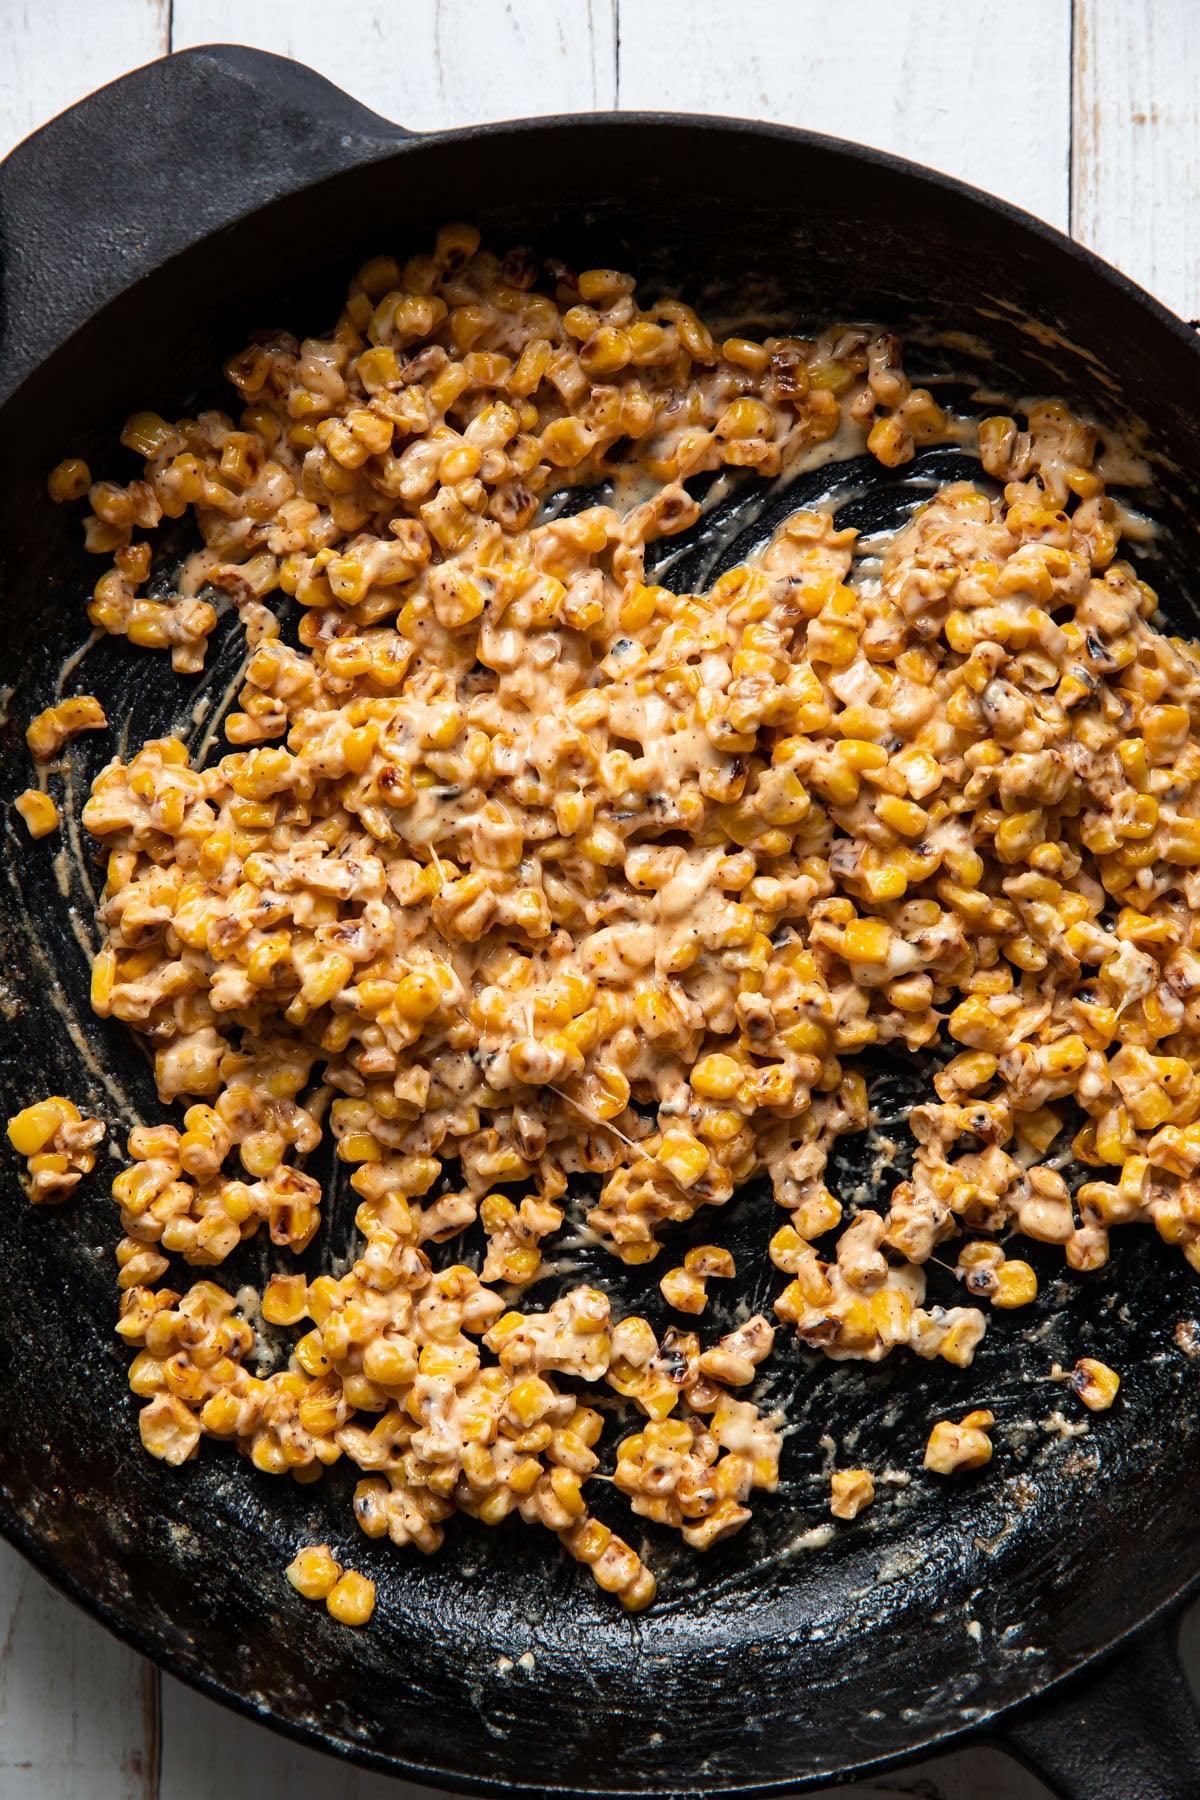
(791, 1653)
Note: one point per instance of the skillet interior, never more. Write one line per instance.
(769, 1662)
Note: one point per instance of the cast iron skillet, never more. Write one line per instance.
(143, 232)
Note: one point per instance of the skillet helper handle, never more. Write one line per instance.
(146, 166)
(1130, 1733)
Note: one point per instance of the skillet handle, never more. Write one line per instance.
(1130, 1733)
(144, 167)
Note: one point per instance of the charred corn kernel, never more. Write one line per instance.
(314, 1572)
(851, 1490)
(1095, 1383)
(351, 1600)
(169, 1429)
(38, 811)
(710, 1260)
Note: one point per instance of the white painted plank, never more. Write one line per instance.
(52, 52)
(432, 63)
(208, 1750)
(77, 1709)
(1136, 154)
(980, 93)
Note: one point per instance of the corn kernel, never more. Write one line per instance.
(68, 480)
(285, 1300)
(955, 1449)
(313, 1572)
(30, 1131)
(1016, 1285)
(351, 1600)
(38, 811)
(1095, 1383)
(851, 1490)
(683, 1157)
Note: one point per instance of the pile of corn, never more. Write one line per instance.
(521, 867)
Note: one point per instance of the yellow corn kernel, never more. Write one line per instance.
(605, 351)
(146, 433)
(1066, 1057)
(954, 1449)
(861, 755)
(314, 1572)
(638, 610)
(973, 1022)
(717, 1077)
(807, 1037)
(330, 977)
(683, 1157)
(746, 418)
(169, 1429)
(684, 1290)
(357, 1147)
(47, 734)
(867, 941)
(31, 1130)
(351, 1600)
(904, 816)
(1149, 1108)
(817, 1214)
(1016, 1285)
(1095, 1383)
(1164, 731)
(530, 1400)
(68, 480)
(746, 354)
(566, 441)
(310, 1354)
(285, 1300)
(39, 812)
(378, 369)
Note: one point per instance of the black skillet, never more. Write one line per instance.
(143, 232)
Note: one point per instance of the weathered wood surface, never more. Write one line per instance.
(1087, 112)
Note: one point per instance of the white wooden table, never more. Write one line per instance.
(1086, 112)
